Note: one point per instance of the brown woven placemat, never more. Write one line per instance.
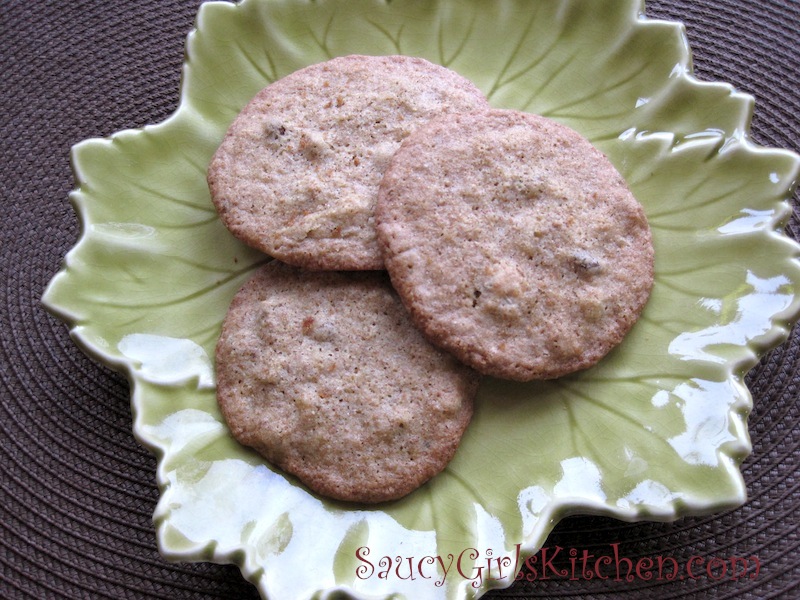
(77, 491)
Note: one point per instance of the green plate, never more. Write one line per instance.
(655, 431)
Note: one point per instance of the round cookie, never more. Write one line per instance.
(297, 173)
(514, 243)
(324, 375)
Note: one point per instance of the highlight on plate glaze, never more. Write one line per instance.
(656, 430)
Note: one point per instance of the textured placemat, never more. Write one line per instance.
(77, 491)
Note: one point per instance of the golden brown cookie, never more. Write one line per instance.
(514, 243)
(297, 173)
(324, 375)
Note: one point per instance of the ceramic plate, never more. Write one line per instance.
(656, 430)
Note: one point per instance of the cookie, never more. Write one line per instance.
(297, 173)
(323, 373)
(514, 243)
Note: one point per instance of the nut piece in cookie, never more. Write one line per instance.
(297, 173)
(514, 243)
(324, 374)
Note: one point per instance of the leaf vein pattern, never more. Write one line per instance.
(394, 39)
(186, 297)
(443, 60)
(622, 415)
(188, 225)
(469, 487)
(588, 443)
(681, 209)
(604, 90)
(498, 82)
(256, 65)
(204, 207)
(547, 81)
(323, 42)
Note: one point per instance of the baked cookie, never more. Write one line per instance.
(324, 375)
(514, 243)
(297, 173)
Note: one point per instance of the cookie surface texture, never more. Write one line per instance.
(514, 243)
(297, 173)
(324, 374)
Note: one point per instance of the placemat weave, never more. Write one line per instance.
(77, 492)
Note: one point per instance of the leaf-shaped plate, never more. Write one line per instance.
(656, 430)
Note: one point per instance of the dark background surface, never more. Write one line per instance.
(77, 492)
